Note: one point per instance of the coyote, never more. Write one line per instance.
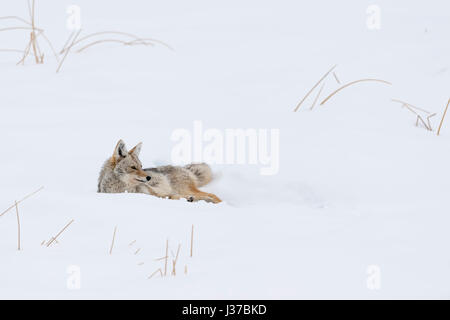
(123, 173)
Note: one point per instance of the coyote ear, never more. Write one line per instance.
(121, 150)
(137, 149)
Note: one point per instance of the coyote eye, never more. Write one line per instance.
(134, 168)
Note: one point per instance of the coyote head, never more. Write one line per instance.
(127, 165)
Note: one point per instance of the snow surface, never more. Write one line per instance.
(358, 185)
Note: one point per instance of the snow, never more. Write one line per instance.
(358, 185)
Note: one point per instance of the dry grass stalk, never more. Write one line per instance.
(33, 47)
(174, 262)
(415, 110)
(127, 43)
(26, 52)
(419, 118)
(37, 54)
(192, 240)
(18, 226)
(34, 35)
(69, 39)
(162, 258)
(67, 51)
(411, 106)
(135, 40)
(312, 89)
(20, 28)
(59, 233)
(337, 79)
(317, 97)
(352, 83)
(137, 251)
(429, 122)
(443, 116)
(410, 109)
(113, 239)
(23, 199)
(132, 242)
(160, 272)
(185, 269)
(166, 258)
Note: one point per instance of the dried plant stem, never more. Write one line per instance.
(162, 258)
(130, 35)
(166, 258)
(429, 122)
(11, 50)
(337, 79)
(317, 97)
(33, 32)
(137, 251)
(351, 83)
(33, 44)
(132, 242)
(20, 28)
(59, 233)
(67, 51)
(174, 262)
(185, 269)
(443, 116)
(49, 44)
(113, 239)
(192, 240)
(410, 109)
(26, 52)
(23, 199)
(423, 122)
(412, 106)
(312, 89)
(160, 272)
(130, 43)
(18, 226)
(415, 110)
(67, 42)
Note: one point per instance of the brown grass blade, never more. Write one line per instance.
(23, 199)
(443, 116)
(160, 272)
(67, 51)
(312, 89)
(352, 83)
(412, 106)
(167, 257)
(18, 226)
(113, 239)
(59, 233)
(317, 97)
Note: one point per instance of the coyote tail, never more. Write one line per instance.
(202, 171)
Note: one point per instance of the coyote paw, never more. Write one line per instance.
(190, 199)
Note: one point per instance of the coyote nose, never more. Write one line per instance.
(148, 178)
